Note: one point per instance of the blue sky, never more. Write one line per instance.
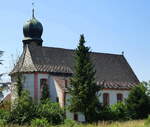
(110, 26)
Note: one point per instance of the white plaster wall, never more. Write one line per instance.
(53, 93)
(112, 99)
(54, 89)
(59, 94)
(28, 83)
(113, 95)
(13, 93)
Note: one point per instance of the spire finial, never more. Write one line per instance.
(33, 10)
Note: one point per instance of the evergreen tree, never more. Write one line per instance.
(138, 102)
(83, 88)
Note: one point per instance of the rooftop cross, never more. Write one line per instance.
(33, 10)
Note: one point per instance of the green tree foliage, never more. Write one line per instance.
(19, 83)
(119, 111)
(114, 112)
(24, 110)
(50, 111)
(138, 102)
(4, 114)
(83, 88)
(39, 123)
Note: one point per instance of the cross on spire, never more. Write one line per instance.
(33, 10)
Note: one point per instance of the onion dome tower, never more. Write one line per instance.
(32, 31)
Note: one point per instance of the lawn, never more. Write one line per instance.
(136, 123)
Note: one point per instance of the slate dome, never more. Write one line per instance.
(32, 31)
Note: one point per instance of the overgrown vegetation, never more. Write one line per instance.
(138, 101)
(51, 111)
(26, 111)
(19, 80)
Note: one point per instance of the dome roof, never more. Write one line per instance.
(32, 30)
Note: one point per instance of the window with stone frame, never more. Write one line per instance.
(57, 99)
(119, 97)
(43, 82)
(75, 117)
(106, 98)
(66, 83)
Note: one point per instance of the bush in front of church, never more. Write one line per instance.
(4, 115)
(138, 101)
(24, 110)
(114, 112)
(119, 111)
(50, 111)
(39, 123)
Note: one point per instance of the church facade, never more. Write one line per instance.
(51, 66)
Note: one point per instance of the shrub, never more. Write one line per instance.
(69, 123)
(51, 111)
(114, 112)
(4, 115)
(24, 111)
(106, 113)
(119, 111)
(138, 102)
(3, 122)
(39, 123)
(147, 122)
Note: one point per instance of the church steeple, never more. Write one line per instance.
(33, 10)
(32, 31)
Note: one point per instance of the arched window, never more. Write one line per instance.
(66, 83)
(119, 97)
(43, 82)
(75, 116)
(105, 98)
(57, 99)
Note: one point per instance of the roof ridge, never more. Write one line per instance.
(93, 52)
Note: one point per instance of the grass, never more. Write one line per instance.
(139, 123)
(135, 123)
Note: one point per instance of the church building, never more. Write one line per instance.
(51, 66)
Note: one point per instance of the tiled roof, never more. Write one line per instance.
(116, 85)
(104, 84)
(112, 68)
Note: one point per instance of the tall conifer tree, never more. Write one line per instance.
(83, 88)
